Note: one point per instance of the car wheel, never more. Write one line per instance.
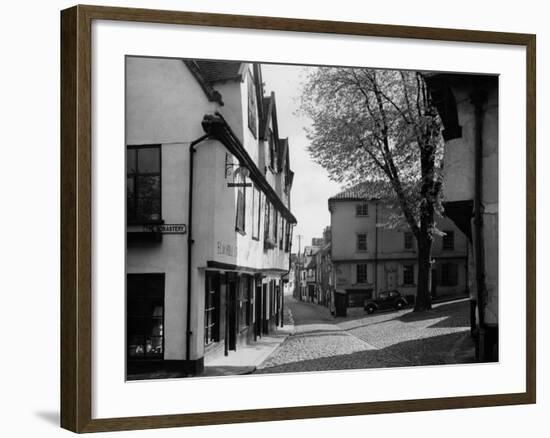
(399, 305)
(370, 309)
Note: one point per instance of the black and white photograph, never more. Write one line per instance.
(305, 218)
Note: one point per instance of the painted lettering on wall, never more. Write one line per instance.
(227, 249)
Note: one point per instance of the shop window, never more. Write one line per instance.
(245, 288)
(145, 315)
(143, 184)
(212, 308)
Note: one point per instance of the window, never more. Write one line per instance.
(145, 315)
(361, 242)
(212, 308)
(251, 106)
(143, 184)
(362, 273)
(449, 274)
(449, 240)
(241, 205)
(244, 301)
(288, 237)
(281, 233)
(408, 240)
(269, 241)
(275, 224)
(408, 274)
(271, 143)
(362, 209)
(256, 213)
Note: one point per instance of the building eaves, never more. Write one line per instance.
(217, 127)
(220, 71)
(366, 191)
(212, 94)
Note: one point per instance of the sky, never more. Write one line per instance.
(311, 187)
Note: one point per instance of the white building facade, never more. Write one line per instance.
(368, 259)
(208, 211)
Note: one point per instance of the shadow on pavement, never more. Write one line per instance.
(453, 348)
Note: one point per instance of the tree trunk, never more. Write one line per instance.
(423, 297)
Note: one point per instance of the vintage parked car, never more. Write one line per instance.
(390, 299)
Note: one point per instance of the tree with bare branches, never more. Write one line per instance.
(380, 127)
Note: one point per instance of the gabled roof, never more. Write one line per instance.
(367, 191)
(267, 105)
(283, 153)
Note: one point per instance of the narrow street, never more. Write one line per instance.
(398, 338)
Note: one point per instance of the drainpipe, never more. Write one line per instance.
(478, 99)
(376, 250)
(190, 241)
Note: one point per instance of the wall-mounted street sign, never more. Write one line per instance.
(167, 228)
(239, 185)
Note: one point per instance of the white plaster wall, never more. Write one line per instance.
(346, 225)
(169, 256)
(164, 102)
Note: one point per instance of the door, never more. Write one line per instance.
(391, 280)
(231, 314)
(265, 310)
(258, 303)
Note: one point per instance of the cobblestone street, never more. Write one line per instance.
(391, 339)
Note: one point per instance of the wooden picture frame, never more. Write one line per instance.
(76, 218)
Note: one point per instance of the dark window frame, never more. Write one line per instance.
(362, 209)
(240, 213)
(129, 316)
(288, 236)
(245, 288)
(133, 219)
(408, 275)
(359, 275)
(448, 240)
(256, 208)
(359, 241)
(408, 240)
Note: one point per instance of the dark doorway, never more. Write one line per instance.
(231, 313)
(265, 310)
(258, 303)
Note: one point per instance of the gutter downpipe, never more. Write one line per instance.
(376, 250)
(190, 241)
(478, 98)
